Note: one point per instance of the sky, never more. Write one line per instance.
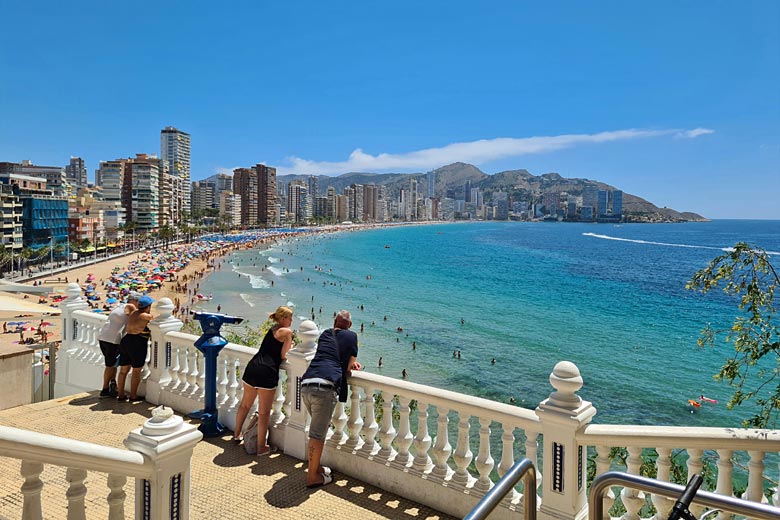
(677, 102)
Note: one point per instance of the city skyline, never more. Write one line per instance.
(672, 103)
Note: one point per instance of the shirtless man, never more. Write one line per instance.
(132, 349)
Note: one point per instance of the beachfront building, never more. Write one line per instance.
(56, 182)
(610, 205)
(267, 210)
(245, 185)
(298, 202)
(203, 197)
(10, 223)
(229, 208)
(175, 150)
(44, 219)
(141, 192)
(76, 172)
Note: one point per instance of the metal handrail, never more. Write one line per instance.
(726, 503)
(521, 470)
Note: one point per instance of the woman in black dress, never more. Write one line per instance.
(261, 376)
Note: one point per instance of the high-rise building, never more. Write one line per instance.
(175, 149)
(467, 192)
(56, 182)
(590, 196)
(330, 210)
(203, 196)
(431, 181)
(603, 203)
(76, 172)
(617, 203)
(245, 186)
(370, 203)
(110, 177)
(297, 201)
(314, 185)
(266, 195)
(141, 191)
(411, 212)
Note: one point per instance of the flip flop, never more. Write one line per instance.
(327, 471)
(326, 479)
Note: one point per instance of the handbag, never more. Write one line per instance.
(250, 434)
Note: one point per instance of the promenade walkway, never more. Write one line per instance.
(226, 482)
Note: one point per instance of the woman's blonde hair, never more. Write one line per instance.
(280, 313)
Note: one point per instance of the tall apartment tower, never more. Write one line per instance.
(314, 184)
(266, 195)
(175, 149)
(76, 172)
(245, 187)
(411, 212)
(141, 191)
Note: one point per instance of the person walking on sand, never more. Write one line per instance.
(133, 347)
(322, 385)
(261, 376)
(109, 338)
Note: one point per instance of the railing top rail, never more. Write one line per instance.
(727, 503)
(50, 449)
(89, 316)
(476, 406)
(679, 437)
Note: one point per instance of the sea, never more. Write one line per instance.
(513, 299)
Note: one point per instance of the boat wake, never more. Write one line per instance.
(666, 244)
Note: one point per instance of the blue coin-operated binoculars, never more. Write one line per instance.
(209, 344)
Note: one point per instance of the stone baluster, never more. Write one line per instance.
(370, 426)
(562, 416)
(404, 438)
(298, 359)
(694, 467)
(201, 394)
(663, 464)
(184, 373)
(386, 431)
(755, 487)
(277, 416)
(192, 376)
(633, 500)
(441, 448)
(485, 460)
(725, 486)
(355, 422)
(174, 370)
(76, 493)
(602, 466)
(233, 382)
(463, 454)
(167, 444)
(31, 490)
(222, 380)
(422, 441)
(339, 424)
(159, 375)
(116, 497)
(532, 453)
(507, 458)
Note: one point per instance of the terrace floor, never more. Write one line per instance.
(226, 482)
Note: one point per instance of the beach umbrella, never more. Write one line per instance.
(111, 300)
(46, 323)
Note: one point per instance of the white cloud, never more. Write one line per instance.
(696, 132)
(474, 152)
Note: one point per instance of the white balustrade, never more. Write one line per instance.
(429, 470)
(161, 442)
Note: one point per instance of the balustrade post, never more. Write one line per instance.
(485, 460)
(442, 449)
(562, 415)
(463, 454)
(31, 490)
(167, 442)
(76, 493)
(370, 426)
(404, 438)
(298, 359)
(69, 347)
(159, 375)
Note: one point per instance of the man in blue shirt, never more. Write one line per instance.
(323, 383)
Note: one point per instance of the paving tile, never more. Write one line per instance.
(226, 481)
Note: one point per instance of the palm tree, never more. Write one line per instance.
(166, 233)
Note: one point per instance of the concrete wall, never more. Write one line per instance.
(16, 374)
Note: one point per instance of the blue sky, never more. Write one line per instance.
(675, 101)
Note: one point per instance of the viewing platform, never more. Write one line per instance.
(398, 449)
(227, 483)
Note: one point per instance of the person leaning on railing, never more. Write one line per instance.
(133, 347)
(322, 385)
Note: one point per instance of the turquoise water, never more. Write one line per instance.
(609, 298)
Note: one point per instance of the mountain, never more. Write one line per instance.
(450, 180)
